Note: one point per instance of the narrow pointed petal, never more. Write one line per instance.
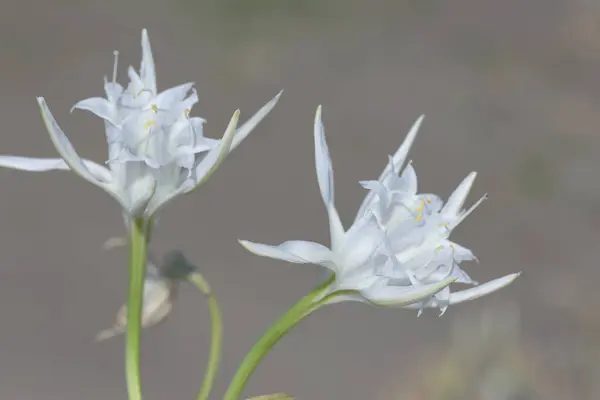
(147, 71)
(400, 155)
(396, 162)
(399, 296)
(32, 164)
(391, 296)
(248, 126)
(459, 195)
(461, 217)
(325, 179)
(294, 251)
(215, 157)
(323, 162)
(98, 106)
(64, 147)
(483, 289)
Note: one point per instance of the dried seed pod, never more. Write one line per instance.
(158, 297)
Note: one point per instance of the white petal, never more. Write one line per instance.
(360, 243)
(98, 106)
(50, 164)
(483, 289)
(401, 296)
(397, 161)
(33, 164)
(141, 191)
(216, 156)
(248, 126)
(457, 199)
(147, 71)
(466, 213)
(204, 170)
(65, 148)
(294, 251)
(325, 179)
(400, 156)
(323, 162)
(409, 179)
(170, 97)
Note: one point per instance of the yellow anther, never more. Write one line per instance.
(150, 123)
(186, 113)
(140, 92)
(154, 108)
(437, 249)
(420, 211)
(428, 201)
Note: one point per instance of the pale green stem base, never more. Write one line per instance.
(216, 335)
(292, 317)
(137, 273)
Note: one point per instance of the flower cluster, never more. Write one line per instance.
(156, 150)
(397, 251)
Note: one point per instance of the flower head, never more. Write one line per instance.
(156, 150)
(397, 252)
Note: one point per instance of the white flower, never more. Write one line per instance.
(396, 253)
(156, 150)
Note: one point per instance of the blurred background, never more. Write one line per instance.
(509, 88)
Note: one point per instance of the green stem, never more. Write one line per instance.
(291, 318)
(137, 273)
(216, 335)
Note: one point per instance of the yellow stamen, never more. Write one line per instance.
(150, 123)
(154, 108)
(420, 211)
(186, 113)
(437, 249)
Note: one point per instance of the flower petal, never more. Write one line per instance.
(459, 195)
(100, 107)
(64, 147)
(248, 126)
(394, 296)
(147, 71)
(384, 295)
(483, 289)
(204, 170)
(141, 192)
(396, 162)
(325, 179)
(170, 97)
(33, 164)
(294, 251)
(216, 156)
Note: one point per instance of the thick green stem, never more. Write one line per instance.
(287, 321)
(137, 273)
(216, 335)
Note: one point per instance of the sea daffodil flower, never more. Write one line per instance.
(396, 253)
(156, 150)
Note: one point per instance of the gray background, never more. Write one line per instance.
(510, 89)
